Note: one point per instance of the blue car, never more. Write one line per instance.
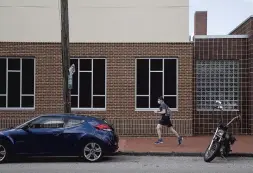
(60, 135)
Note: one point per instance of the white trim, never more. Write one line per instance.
(78, 108)
(27, 95)
(153, 109)
(17, 109)
(34, 82)
(3, 95)
(92, 83)
(20, 84)
(105, 83)
(149, 76)
(219, 36)
(241, 24)
(15, 71)
(150, 58)
(88, 109)
(78, 84)
(216, 110)
(156, 71)
(7, 79)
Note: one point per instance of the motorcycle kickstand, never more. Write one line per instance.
(223, 157)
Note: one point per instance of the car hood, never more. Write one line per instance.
(7, 131)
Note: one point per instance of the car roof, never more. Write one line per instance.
(71, 115)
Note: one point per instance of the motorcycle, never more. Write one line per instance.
(221, 142)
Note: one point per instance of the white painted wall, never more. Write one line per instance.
(96, 20)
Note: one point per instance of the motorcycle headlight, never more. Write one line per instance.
(220, 132)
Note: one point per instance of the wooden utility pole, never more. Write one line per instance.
(65, 55)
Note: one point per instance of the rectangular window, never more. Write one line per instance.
(156, 77)
(17, 86)
(89, 84)
(217, 80)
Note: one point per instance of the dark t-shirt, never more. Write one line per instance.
(163, 106)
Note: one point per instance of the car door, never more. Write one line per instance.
(47, 133)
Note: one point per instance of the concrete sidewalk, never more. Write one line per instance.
(192, 146)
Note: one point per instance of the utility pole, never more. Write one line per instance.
(65, 55)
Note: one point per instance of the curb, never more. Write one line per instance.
(132, 153)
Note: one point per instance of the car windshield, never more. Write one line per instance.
(24, 124)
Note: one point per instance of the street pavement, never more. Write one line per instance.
(134, 164)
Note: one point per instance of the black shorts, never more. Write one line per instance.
(165, 121)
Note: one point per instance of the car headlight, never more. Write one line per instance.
(220, 132)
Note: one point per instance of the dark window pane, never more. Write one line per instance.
(2, 101)
(156, 88)
(28, 76)
(170, 77)
(2, 76)
(98, 102)
(156, 64)
(13, 89)
(142, 102)
(75, 76)
(85, 90)
(85, 64)
(74, 101)
(99, 77)
(142, 77)
(171, 101)
(27, 101)
(13, 64)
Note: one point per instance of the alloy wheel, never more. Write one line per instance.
(2, 153)
(92, 151)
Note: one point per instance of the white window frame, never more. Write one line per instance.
(150, 58)
(78, 95)
(19, 71)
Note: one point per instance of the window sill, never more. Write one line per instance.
(153, 109)
(88, 109)
(216, 110)
(17, 109)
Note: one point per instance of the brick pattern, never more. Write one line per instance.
(247, 28)
(223, 48)
(120, 82)
(200, 23)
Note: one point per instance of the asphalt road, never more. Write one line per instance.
(127, 164)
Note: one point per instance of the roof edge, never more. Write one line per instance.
(241, 24)
(219, 36)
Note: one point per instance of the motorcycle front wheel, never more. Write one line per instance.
(211, 153)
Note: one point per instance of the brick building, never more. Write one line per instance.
(120, 71)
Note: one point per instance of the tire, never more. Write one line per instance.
(92, 151)
(209, 158)
(3, 152)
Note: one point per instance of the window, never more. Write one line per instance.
(47, 122)
(89, 84)
(17, 86)
(217, 80)
(74, 122)
(156, 77)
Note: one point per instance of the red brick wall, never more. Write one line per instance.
(200, 23)
(120, 82)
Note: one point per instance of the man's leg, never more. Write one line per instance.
(159, 132)
(180, 138)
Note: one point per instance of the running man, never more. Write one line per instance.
(165, 121)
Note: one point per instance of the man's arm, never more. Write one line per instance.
(163, 110)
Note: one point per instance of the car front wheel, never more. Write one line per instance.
(92, 152)
(3, 153)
